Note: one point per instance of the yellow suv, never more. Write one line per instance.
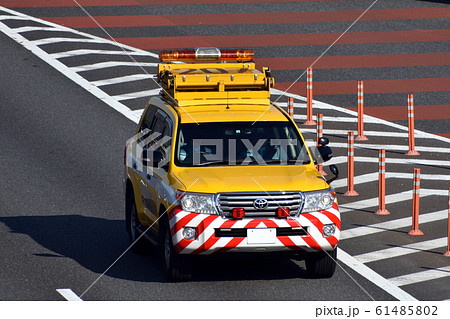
(216, 167)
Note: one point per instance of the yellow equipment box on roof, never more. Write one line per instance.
(216, 82)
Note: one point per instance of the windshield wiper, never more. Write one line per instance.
(214, 163)
(283, 162)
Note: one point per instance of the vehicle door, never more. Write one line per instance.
(154, 180)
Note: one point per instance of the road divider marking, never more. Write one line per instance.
(421, 276)
(111, 64)
(391, 225)
(31, 29)
(123, 79)
(135, 95)
(372, 177)
(402, 250)
(69, 295)
(73, 53)
(390, 199)
(408, 161)
(370, 133)
(45, 41)
(374, 277)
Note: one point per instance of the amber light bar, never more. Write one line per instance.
(207, 54)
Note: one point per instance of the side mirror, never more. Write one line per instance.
(325, 152)
(323, 141)
(152, 158)
(321, 153)
(335, 171)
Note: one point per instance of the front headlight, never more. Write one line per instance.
(319, 200)
(198, 203)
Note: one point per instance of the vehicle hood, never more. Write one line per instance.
(251, 178)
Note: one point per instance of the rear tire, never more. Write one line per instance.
(321, 264)
(139, 245)
(176, 267)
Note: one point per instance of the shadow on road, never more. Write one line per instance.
(95, 243)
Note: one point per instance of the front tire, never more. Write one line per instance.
(176, 267)
(321, 264)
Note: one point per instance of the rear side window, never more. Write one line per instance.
(148, 118)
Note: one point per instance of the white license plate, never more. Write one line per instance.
(261, 236)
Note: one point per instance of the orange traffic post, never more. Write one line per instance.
(350, 165)
(309, 98)
(381, 183)
(290, 106)
(415, 215)
(319, 134)
(411, 140)
(361, 136)
(447, 253)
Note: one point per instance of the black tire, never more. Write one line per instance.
(321, 264)
(176, 267)
(139, 245)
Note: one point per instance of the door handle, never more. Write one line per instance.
(134, 165)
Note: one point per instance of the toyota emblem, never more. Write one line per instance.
(260, 203)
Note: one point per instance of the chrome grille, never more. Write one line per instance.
(227, 201)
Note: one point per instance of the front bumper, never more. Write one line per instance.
(218, 234)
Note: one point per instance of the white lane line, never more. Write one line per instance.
(119, 107)
(417, 134)
(374, 277)
(372, 177)
(69, 295)
(421, 276)
(72, 53)
(391, 225)
(388, 147)
(373, 202)
(40, 42)
(407, 161)
(138, 112)
(341, 119)
(124, 79)
(402, 250)
(111, 64)
(392, 147)
(135, 95)
(368, 133)
(390, 199)
(30, 29)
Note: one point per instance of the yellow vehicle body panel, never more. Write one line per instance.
(250, 178)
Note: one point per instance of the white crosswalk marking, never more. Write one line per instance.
(390, 199)
(67, 54)
(392, 224)
(422, 276)
(372, 177)
(123, 79)
(136, 95)
(110, 64)
(401, 250)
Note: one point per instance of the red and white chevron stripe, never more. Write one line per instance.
(207, 243)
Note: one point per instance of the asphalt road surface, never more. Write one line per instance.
(62, 154)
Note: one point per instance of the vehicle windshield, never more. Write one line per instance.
(239, 143)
